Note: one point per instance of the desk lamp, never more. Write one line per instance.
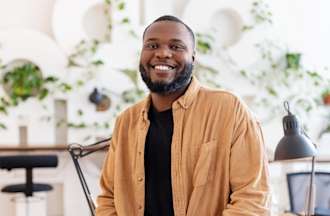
(296, 145)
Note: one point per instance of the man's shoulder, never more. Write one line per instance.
(133, 111)
(225, 99)
(218, 95)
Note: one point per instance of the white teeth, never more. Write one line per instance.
(163, 67)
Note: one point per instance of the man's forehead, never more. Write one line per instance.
(167, 28)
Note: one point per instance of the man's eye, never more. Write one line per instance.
(177, 47)
(151, 46)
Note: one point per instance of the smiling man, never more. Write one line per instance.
(184, 150)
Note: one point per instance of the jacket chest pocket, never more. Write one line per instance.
(204, 169)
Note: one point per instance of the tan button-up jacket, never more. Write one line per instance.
(218, 162)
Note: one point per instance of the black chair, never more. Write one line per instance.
(27, 162)
(298, 185)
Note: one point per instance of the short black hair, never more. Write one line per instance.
(172, 19)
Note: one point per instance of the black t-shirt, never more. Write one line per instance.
(157, 163)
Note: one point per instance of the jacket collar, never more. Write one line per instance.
(188, 97)
(183, 101)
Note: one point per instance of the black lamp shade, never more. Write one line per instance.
(294, 147)
(294, 144)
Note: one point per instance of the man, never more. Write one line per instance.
(185, 149)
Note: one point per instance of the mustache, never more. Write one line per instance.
(181, 80)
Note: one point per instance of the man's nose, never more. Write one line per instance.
(164, 52)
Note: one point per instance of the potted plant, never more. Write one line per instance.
(24, 81)
(326, 97)
(293, 60)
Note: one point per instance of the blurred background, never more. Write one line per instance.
(68, 67)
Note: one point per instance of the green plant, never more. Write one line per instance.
(326, 92)
(261, 13)
(25, 81)
(293, 60)
(204, 43)
(83, 55)
(281, 77)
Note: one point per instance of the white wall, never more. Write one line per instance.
(301, 24)
(34, 14)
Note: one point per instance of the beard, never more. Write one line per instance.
(180, 82)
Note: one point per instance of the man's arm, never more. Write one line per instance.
(249, 180)
(105, 201)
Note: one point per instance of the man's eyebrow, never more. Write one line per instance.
(151, 39)
(171, 40)
(177, 40)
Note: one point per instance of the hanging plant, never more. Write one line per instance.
(261, 14)
(25, 81)
(204, 43)
(293, 60)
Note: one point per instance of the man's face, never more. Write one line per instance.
(167, 57)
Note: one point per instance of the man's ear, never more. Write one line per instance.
(193, 57)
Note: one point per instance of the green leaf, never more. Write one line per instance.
(76, 125)
(106, 125)
(109, 26)
(80, 112)
(43, 93)
(125, 20)
(3, 126)
(243, 73)
(293, 60)
(72, 63)
(65, 87)
(121, 6)
(203, 47)
(4, 102)
(51, 79)
(80, 83)
(247, 28)
(133, 33)
(97, 62)
(3, 110)
(271, 91)
(132, 75)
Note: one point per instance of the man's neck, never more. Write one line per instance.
(164, 102)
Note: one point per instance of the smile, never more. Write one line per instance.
(163, 67)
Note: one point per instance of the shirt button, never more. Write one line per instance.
(140, 153)
(140, 207)
(140, 179)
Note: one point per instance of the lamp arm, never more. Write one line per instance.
(311, 193)
(83, 183)
(78, 151)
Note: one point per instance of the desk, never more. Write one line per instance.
(33, 148)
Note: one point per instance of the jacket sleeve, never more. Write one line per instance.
(105, 201)
(249, 179)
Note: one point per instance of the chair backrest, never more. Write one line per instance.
(298, 185)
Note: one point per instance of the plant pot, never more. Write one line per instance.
(326, 99)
